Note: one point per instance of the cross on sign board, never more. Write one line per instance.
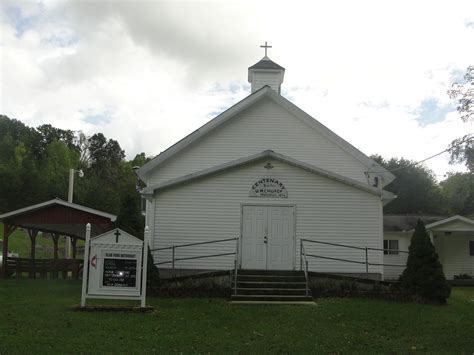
(117, 233)
(266, 47)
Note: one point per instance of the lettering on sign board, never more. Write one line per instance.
(268, 187)
(119, 272)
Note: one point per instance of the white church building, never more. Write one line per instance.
(259, 181)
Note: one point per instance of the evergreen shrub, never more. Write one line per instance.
(423, 276)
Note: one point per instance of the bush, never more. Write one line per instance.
(424, 275)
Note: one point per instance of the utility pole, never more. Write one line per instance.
(68, 248)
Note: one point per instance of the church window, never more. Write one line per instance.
(390, 247)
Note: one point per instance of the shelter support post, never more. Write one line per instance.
(74, 247)
(8, 229)
(32, 234)
(55, 237)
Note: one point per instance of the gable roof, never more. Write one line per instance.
(264, 92)
(449, 220)
(407, 223)
(150, 190)
(404, 223)
(56, 201)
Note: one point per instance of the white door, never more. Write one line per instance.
(268, 237)
(254, 219)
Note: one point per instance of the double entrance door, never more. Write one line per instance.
(268, 237)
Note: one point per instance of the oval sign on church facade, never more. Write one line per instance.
(268, 187)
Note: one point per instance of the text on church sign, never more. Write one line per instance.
(268, 187)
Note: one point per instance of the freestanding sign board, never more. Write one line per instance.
(115, 266)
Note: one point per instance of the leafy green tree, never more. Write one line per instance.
(415, 186)
(458, 192)
(140, 159)
(424, 275)
(463, 92)
(130, 218)
(462, 151)
(35, 163)
(58, 159)
(107, 177)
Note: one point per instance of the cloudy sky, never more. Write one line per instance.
(147, 73)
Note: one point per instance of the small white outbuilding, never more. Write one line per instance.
(452, 237)
(270, 175)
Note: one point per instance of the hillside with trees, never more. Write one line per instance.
(35, 163)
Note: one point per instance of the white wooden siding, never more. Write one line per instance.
(393, 272)
(262, 127)
(453, 251)
(260, 79)
(210, 209)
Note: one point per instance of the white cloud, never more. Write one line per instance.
(148, 73)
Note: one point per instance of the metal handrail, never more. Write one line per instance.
(194, 257)
(304, 261)
(335, 244)
(337, 259)
(366, 250)
(174, 247)
(191, 244)
(389, 250)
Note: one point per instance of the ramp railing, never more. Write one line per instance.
(174, 248)
(364, 251)
(304, 261)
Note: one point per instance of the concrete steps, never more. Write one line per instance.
(270, 286)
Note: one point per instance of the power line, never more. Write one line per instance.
(467, 138)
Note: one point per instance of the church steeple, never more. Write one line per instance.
(266, 72)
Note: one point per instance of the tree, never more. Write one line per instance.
(464, 94)
(458, 192)
(35, 163)
(462, 151)
(415, 186)
(130, 218)
(424, 275)
(107, 176)
(54, 170)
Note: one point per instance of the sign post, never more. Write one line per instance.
(115, 266)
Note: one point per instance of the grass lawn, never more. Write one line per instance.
(19, 242)
(35, 318)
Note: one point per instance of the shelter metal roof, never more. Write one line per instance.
(58, 216)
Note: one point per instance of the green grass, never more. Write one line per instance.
(36, 318)
(19, 242)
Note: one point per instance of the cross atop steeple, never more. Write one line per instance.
(266, 47)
